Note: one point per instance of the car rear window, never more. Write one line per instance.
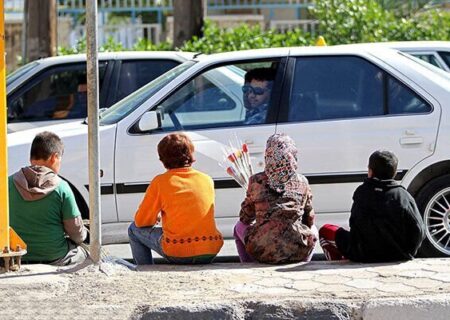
(137, 73)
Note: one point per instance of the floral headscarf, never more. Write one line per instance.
(281, 162)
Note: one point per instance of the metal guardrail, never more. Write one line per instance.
(78, 6)
(310, 26)
(257, 4)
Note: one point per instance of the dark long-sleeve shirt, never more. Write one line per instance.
(385, 224)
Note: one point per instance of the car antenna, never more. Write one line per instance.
(197, 54)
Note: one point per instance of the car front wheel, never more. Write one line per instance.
(434, 204)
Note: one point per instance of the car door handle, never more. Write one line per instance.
(254, 148)
(411, 140)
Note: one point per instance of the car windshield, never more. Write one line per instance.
(127, 105)
(443, 74)
(13, 76)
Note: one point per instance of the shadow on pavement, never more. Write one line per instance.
(344, 264)
(228, 263)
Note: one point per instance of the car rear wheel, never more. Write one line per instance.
(434, 204)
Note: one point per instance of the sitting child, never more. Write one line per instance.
(385, 224)
(184, 198)
(276, 221)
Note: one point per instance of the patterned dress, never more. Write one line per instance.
(280, 233)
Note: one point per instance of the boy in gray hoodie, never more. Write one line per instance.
(43, 210)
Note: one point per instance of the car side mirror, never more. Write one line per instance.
(150, 120)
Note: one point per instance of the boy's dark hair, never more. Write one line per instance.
(44, 145)
(176, 151)
(260, 74)
(383, 164)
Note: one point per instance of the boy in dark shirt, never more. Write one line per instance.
(385, 224)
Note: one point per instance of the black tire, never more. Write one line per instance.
(429, 200)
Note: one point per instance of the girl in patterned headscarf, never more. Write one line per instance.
(281, 163)
(277, 219)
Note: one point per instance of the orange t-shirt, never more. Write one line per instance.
(185, 198)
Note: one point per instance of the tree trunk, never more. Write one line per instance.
(40, 29)
(187, 19)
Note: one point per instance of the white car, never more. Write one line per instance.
(338, 103)
(52, 90)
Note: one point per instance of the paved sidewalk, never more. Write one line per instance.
(418, 289)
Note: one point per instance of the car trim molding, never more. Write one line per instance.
(128, 188)
(104, 189)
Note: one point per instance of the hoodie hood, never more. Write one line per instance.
(35, 182)
(383, 184)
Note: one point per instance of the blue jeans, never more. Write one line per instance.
(144, 240)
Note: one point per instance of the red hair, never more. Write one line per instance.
(176, 150)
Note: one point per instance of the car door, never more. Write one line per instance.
(339, 109)
(55, 95)
(209, 107)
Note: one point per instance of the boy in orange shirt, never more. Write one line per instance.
(184, 197)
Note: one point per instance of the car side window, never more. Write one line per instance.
(137, 73)
(402, 100)
(58, 93)
(221, 97)
(430, 58)
(335, 87)
(347, 87)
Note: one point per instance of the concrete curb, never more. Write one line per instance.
(436, 308)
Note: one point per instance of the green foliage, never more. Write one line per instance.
(352, 21)
(80, 47)
(243, 37)
(111, 45)
(426, 25)
(147, 45)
